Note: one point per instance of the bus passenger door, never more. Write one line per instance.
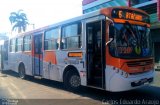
(37, 55)
(95, 41)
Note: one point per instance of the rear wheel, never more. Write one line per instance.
(72, 81)
(22, 71)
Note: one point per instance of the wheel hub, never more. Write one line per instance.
(75, 81)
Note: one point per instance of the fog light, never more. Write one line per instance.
(117, 71)
(122, 73)
(114, 68)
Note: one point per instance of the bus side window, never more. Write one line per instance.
(71, 36)
(19, 43)
(27, 43)
(12, 45)
(63, 46)
(51, 39)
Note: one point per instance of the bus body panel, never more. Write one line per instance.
(51, 69)
(63, 60)
(11, 61)
(27, 60)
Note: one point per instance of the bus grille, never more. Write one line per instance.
(140, 63)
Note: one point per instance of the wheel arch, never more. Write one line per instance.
(21, 64)
(69, 68)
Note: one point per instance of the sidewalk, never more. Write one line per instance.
(3, 75)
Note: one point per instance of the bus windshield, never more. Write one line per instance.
(131, 41)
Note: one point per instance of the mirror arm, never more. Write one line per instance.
(111, 39)
(109, 20)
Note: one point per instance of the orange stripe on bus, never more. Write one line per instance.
(131, 22)
(122, 64)
(50, 56)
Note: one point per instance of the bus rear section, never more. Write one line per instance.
(4, 56)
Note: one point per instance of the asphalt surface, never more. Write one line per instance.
(16, 91)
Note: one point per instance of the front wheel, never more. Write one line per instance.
(21, 72)
(72, 81)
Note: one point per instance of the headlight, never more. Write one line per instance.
(117, 70)
(126, 75)
(123, 73)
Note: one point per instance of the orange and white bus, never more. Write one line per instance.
(107, 49)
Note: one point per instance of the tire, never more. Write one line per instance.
(22, 72)
(72, 81)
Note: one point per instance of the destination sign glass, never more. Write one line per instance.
(130, 15)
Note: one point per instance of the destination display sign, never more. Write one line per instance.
(130, 15)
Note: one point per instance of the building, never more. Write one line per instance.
(152, 7)
(91, 5)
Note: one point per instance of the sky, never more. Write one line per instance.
(39, 12)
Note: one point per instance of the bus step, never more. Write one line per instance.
(38, 77)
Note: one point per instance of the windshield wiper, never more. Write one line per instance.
(130, 27)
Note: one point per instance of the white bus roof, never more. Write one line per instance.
(82, 17)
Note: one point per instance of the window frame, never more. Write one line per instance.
(17, 44)
(30, 43)
(12, 45)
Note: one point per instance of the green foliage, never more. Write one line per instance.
(19, 21)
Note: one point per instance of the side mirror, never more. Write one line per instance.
(112, 33)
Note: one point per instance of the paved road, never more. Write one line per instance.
(40, 92)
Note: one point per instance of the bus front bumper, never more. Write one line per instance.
(119, 83)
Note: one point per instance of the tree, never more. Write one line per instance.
(19, 21)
